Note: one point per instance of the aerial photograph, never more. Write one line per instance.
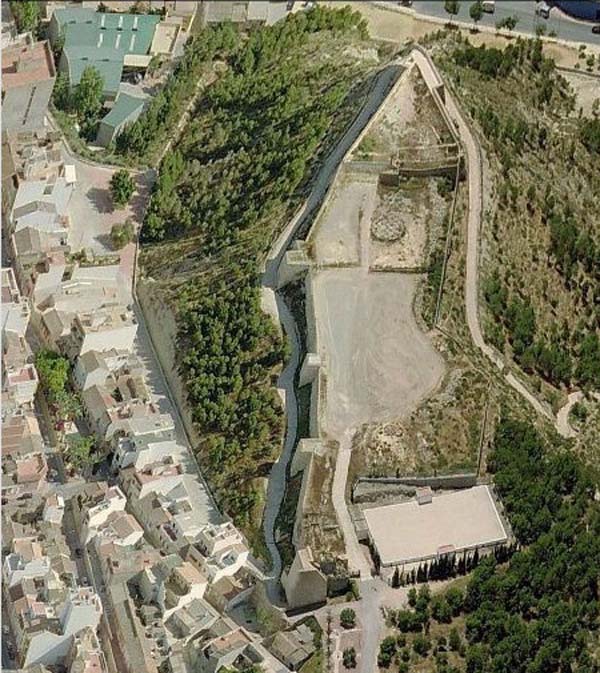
(300, 336)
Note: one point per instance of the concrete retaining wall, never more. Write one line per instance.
(459, 480)
(160, 321)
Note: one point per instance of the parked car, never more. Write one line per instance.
(596, 29)
(543, 9)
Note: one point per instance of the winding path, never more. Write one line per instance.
(274, 304)
(475, 181)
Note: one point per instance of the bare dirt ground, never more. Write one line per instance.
(411, 118)
(402, 222)
(336, 241)
(586, 88)
(379, 363)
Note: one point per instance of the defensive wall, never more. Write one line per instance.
(297, 265)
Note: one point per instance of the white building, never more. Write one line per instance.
(15, 309)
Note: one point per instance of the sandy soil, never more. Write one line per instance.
(337, 235)
(586, 88)
(401, 223)
(409, 119)
(379, 363)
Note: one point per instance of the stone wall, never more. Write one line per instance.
(161, 324)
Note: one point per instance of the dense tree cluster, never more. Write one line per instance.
(26, 14)
(489, 61)
(150, 132)
(228, 349)
(533, 613)
(83, 101)
(224, 187)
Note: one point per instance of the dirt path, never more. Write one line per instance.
(201, 84)
(562, 417)
(475, 172)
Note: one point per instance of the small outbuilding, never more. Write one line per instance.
(126, 110)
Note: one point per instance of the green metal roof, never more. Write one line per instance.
(108, 63)
(126, 33)
(125, 106)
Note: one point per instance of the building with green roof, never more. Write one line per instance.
(126, 110)
(108, 42)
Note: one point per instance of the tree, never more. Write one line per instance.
(87, 95)
(396, 578)
(68, 406)
(509, 22)
(441, 610)
(454, 640)
(421, 644)
(452, 8)
(26, 14)
(121, 234)
(348, 618)
(454, 597)
(476, 12)
(387, 650)
(122, 187)
(53, 371)
(79, 451)
(349, 657)
(61, 94)
(412, 597)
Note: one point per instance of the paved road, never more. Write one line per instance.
(274, 304)
(524, 10)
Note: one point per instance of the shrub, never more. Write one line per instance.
(122, 187)
(122, 234)
(348, 618)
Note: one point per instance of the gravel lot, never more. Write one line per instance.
(379, 363)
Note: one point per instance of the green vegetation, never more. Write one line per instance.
(83, 102)
(122, 187)
(509, 22)
(543, 237)
(348, 618)
(79, 451)
(143, 140)
(590, 134)
(349, 657)
(122, 234)
(476, 12)
(26, 14)
(451, 7)
(53, 371)
(221, 195)
(536, 612)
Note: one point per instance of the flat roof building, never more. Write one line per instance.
(27, 81)
(427, 528)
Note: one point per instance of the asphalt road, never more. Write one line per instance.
(524, 10)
